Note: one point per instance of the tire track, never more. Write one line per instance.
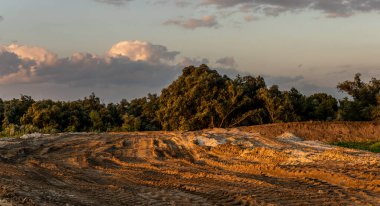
(172, 168)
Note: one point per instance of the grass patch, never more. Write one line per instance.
(369, 146)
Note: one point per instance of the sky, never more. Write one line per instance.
(65, 50)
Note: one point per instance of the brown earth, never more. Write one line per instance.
(323, 131)
(260, 165)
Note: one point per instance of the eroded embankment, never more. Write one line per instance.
(323, 131)
(210, 167)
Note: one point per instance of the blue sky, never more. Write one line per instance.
(309, 44)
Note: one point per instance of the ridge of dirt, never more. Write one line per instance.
(322, 131)
(240, 166)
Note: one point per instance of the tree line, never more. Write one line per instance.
(200, 98)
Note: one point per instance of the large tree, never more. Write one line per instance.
(364, 101)
(202, 98)
(187, 104)
(321, 106)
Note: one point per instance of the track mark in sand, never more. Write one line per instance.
(170, 168)
(157, 196)
(140, 148)
(5, 203)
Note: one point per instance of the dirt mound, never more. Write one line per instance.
(210, 167)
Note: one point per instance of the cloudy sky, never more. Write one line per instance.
(66, 49)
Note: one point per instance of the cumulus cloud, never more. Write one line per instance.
(20, 64)
(132, 67)
(142, 51)
(39, 55)
(9, 62)
(193, 23)
(89, 70)
(126, 63)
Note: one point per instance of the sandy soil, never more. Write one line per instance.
(210, 167)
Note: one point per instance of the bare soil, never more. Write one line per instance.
(280, 164)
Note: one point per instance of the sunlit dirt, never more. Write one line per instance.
(244, 166)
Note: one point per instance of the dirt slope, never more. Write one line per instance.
(210, 167)
(323, 131)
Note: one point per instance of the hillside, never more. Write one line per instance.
(277, 164)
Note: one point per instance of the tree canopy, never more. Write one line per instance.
(200, 98)
(365, 101)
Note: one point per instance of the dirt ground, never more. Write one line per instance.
(243, 166)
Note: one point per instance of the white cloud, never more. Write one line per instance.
(135, 67)
(39, 55)
(20, 63)
(141, 51)
(126, 63)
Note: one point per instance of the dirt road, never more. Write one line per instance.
(211, 167)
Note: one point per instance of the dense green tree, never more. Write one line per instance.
(96, 120)
(365, 99)
(2, 105)
(78, 118)
(15, 109)
(131, 123)
(187, 104)
(140, 114)
(113, 119)
(350, 111)
(298, 102)
(200, 98)
(239, 104)
(280, 106)
(364, 93)
(321, 106)
(44, 114)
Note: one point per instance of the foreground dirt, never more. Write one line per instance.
(211, 167)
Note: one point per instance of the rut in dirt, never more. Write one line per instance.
(210, 167)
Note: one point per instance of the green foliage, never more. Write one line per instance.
(43, 114)
(15, 109)
(188, 103)
(96, 120)
(282, 106)
(239, 104)
(375, 113)
(321, 107)
(131, 123)
(351, 111)
(369, 146)
(365, 103)
(11, 130)
(200, 98)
